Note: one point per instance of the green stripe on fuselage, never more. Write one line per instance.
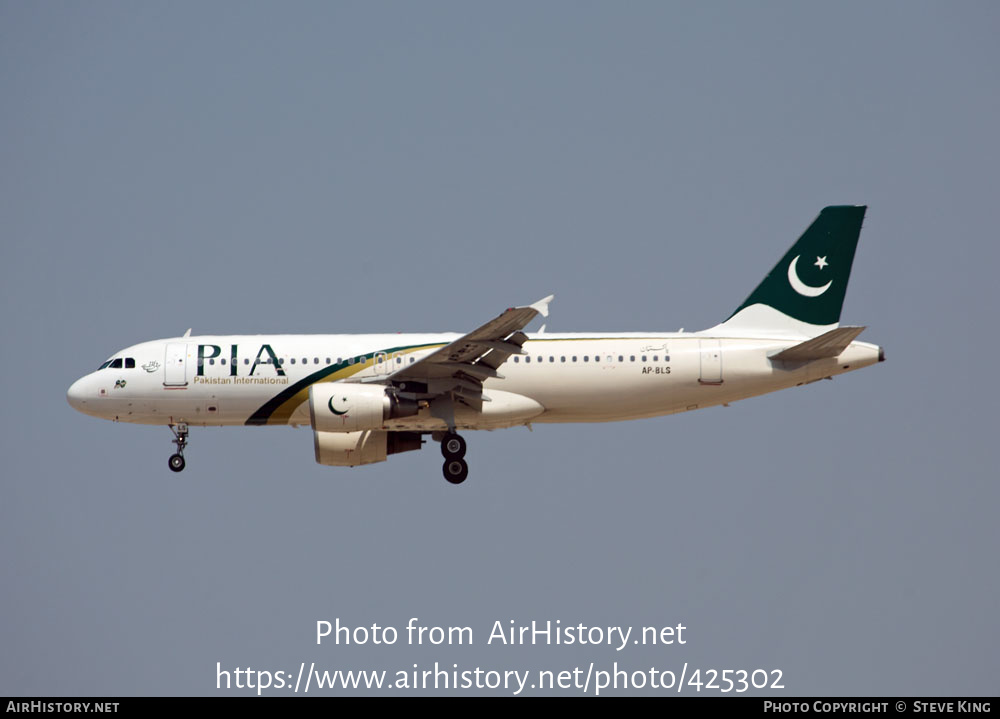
(279, 408)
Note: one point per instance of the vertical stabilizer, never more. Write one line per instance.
(804, 293)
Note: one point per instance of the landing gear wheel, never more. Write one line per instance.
(455, 470)
(176, 462)
(452, 446)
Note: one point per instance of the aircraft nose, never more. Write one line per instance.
(75, 395)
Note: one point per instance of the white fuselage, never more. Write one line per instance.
(265, 379)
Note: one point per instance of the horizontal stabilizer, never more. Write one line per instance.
(828, 344)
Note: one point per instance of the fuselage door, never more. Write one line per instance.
(381, 363)
(175, 365)
(711, 362)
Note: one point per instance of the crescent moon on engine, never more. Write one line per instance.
(330, 404)
(801, 287)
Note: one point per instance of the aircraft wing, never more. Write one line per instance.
(461, 367)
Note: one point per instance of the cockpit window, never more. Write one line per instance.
(129, 363)
(116, 364)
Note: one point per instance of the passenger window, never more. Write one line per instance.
(246, 360)
(586, 358)
(644, 358)
(305, 360)
(221, 361)
(563, 358)
(574, 358)
(293, 360)
(631, 358)
(211, 361)
(656, 358)
(621, 358)
(527, 359)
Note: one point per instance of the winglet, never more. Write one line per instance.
(542, 306)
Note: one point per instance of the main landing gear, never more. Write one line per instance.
(453, 449)
(176, 461)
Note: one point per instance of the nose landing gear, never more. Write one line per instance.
(176, 461)
(455, 467)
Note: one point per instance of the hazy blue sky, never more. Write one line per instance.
(351, 167)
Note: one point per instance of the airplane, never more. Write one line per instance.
(370, 396)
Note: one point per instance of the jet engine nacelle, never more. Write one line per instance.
(346, 407)
(349, 449)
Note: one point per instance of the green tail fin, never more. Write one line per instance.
(809, 283)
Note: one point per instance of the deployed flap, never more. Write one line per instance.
(475, 357)
(828, 344)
